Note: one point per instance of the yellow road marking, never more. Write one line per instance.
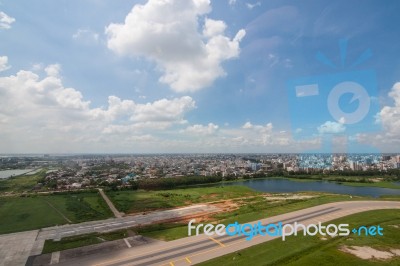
(135, 256)
(171, 263)
(216, 241)
(187, 259)
(221, 245)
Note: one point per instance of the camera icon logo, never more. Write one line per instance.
(339, 104)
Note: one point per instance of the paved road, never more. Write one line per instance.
(58, 232)
(17, 247)
(195, 249)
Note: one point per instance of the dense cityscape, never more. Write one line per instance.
(80, 171)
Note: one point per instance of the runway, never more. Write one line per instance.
(196, 249)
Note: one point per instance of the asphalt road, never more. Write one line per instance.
(195, 249)
(58, 232)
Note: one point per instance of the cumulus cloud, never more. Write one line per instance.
(330, 127)
(201, 129)
(41, 111)
(4, 63)
(5, 21)
(167, 32)
(389, 116)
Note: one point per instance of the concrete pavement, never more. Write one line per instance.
(112, 224)
(17, 247)
(196, 249)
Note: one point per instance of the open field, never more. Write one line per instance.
(140, 201)
(21, 183)
(27, 213)
(313, 250)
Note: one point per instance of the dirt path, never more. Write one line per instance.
(116, 213)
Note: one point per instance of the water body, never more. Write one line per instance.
(286, 186)
(15, 172)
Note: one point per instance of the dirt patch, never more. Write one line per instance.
(395, 252)
(222, 206)
(210, 196)
(368, 253)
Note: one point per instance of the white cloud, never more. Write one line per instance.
(251, 6)
(232, 2)
(5, 21)
(86, 36)
(267, 128)
(41, 115)
(202, 130)
(389, 116)
(53, 70)
(213, 27)
(167, 33)
(4, 63)
(330, 127)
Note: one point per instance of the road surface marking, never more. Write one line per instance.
(171, 263)
(55, 257)
(217, 241)
(145, 253)
(127, 243)
(187, 259)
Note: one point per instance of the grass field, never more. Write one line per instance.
(21, 183)
(308, 250)
(139, 201)
(27, 213)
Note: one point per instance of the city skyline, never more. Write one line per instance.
(189, 76)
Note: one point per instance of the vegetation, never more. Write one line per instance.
(139, 201)
(308, 250)
(21, 183)
(82, 240)
(33, 212)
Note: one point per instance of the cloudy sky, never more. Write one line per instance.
(95, 76)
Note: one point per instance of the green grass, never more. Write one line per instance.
(308, 250)
(21, 183)
(140, 201)
(82, 240)
(34, 212)
(21, 214)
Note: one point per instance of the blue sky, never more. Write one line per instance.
(195, 76)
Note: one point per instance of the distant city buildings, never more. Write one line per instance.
(83, 171)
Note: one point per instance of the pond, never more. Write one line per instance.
(13, 172)
(286, 185)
